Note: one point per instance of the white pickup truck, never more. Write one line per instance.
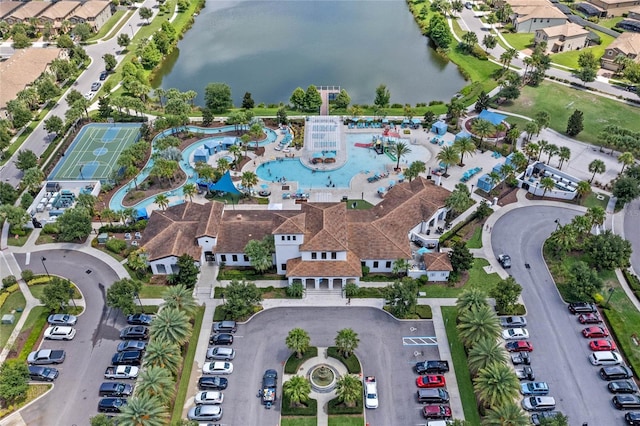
(370, 392)
(121, 372)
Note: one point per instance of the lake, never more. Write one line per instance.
(269, 48)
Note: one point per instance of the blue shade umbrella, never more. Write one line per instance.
(423, 250)
(264, 186)
(317, 155)
(381, 189)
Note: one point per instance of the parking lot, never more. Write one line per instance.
(383, 350)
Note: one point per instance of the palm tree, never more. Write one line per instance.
(298, 340)
(478, 324)
(249, 179)
(543, 146)
(297, 389)
(158, 382)
(460, 199)
(596, 215)
(448, 156)
(582, 225)
(349, 389)
(484, 353)
(519, 160)
(564, 154)
(181, 298)
(223, 165)
(583, 188)
(551, 150)
(507, 170)
(347, 341)
(495, 178)
(471, 298)
(400, 149)
(546, 183)
(509, 414)
(532, 150)
(496, 385)
(162, 201)
(171, 325)
(163, 354)
(564, 238)
(596, 166)
(532, 129)
(508, 56)
(143, 410)
(236, 151)
(137, 260)
(189, 190)
(626, 159)
(464, 146)
(482, 128)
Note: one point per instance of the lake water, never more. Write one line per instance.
(269, 48)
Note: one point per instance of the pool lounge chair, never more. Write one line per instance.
(286, 195)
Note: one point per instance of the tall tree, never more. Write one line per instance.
(187, 271)
(121, 295)
(26, 159)
(241, 299)
(478, 324)
(506, 294)
(508, 414)
(472, 298)
(482, 128)
(298, 340)
(172, 326)
(349, 389)
(626, 159)
(162, 201)
(14, 380)
(484, 353)
(181, 298)
(347, 341)
(564, 154)
(547, 184)
(575, 124)
(414, 170)
(464, 146)
(448, 156)
(596, 166)
(217, 97)
(297, 389)
(496, 385)
(189, 190)
(162, 354)
(260, 255)
(74, 224)
(143, 410)
(383, 96)
(400, 149)
(401, 297)
(156, 382)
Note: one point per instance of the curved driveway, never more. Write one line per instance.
(560, 352)
(75, 395)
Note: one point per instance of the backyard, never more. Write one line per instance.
(519, 41)
(570, 58)
(560, 101)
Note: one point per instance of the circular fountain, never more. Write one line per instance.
(323, 378)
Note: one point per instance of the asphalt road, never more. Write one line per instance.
(560, 352)
(260, 344)
(74, 398)
(40, 138)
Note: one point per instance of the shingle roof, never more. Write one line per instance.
(6, 7)
(325, 227)
(91, 9)
(30, 10)
(437, 262)
(60, 10)
(568, 30)
(627, 43)
(241, 226)
(538, 12)
(325, 268)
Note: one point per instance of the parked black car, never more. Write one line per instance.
(212, 383)
(132, 345)
(582, 308)
(127, 358)
(135, 332)
(622, 386)
(221, 339)
(626, 402)
(139, 319)
(103, 75)
(616, 372)
(111, 405)
(632, 419)
(115, 389)
(43, 374)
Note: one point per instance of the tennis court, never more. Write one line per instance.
(94, 152)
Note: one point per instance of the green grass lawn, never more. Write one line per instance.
(519, 41)
(37, 291)
(517, 121)
(18, 242)
(106, 28)
(359, 204)
(592, 201)
(570, 58)
(459, 358)
(610, 23)
(14, 301)
(345, 421)
(560, 102)
(476, 239)
(301, 421)
(149, 291)
(477, 278)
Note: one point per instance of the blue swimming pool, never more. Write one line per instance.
(359, 160)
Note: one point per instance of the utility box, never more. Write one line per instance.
(8, 319)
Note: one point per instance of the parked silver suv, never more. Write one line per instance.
(225, 327)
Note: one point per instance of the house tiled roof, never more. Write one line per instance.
(325, 227)
(173, 232)
(326, 268)
(293, 225)
(240, 227)
(627, 43)
(91, 9)
(6, 7)
(538, 12)
(60, 10)
(568, 29)
(30, 9)
(22, 69)
(437, 262)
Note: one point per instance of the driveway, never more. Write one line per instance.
(560, 352)
(74, 398)
(260, 344)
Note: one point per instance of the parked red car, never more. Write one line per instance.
(519, 346)
(594, 332)
(589, 318)
(431, 381)
(436, 412)
(602, 345)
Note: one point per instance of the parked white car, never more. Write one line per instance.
(515, 334)
(59, 333)
(209, 398)
(218, 368)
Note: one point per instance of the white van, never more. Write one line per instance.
(605, 358)
(539, 403)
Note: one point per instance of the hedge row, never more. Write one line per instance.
(119, 229)
(633, 281)
(336, 406)
(293, 363)
(352, 363)
(34, 335)
(309, 409)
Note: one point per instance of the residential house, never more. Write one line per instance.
(565, 37)
(611, 8)
(627, 44)
(93, 12)
(28, 11)
(6, 7)
(634, 13)
(322, 245)
(23, 68)
(60, 11)
(529, 18)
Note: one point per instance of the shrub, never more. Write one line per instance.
(424, 311)
(309, 409)
(115, 245)
(295, 290)
(8, 281)
(27, 275)
(50, 228)
(352, 363)
(479, 53)
(293, 362)
(336, 406)
(34, 335)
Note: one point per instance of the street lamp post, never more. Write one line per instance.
(139, 301)
(71, 297)
(611, 290)
(557, 221)
(45, 266)
(222, 295)
(131, 27)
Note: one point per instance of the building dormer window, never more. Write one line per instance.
(323, 255)
(334, 255)
(314, 255)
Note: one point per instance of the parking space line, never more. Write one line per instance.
(420, 341)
